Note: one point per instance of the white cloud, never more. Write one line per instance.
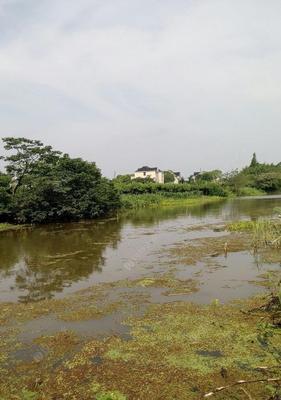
(181, 84)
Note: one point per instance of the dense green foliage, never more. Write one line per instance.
(122, 179)
(261, 177)
(42, 185)
(167, 189)
(169, 177)
(5, 195)
(145, 200)
(206, 176)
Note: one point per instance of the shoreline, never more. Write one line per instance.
(138, 201)
(7, 227)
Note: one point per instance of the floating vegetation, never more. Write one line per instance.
(178, 351)
(195, 250)
(167, 281)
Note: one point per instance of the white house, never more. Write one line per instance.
(177, 177)
(153, 173)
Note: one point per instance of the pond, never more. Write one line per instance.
(55, 260)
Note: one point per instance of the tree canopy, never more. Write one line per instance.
(254, 161)
(44, 185)
(169, 177)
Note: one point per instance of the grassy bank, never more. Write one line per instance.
(249, 191)
(4, 227)
(136, 201)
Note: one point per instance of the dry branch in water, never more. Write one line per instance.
(241, 382)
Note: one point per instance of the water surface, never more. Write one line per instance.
(55, 260)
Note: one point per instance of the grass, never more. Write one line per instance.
(264, 232)
(249, 191)
(8, 227)
(133, 201)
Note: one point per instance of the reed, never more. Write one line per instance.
(265, 232)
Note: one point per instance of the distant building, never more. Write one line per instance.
(153, 173)
(195, 176)
(177, 176)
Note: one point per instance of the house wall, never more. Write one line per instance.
(157, 176)
(160, 177)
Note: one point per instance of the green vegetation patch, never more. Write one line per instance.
(136, 201)
(178, 351)
(264, 232)
(197, 249)
(4, 227)
(174, 286)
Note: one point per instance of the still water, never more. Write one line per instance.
(55, 260)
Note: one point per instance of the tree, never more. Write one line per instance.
(123, 179)
(254, 161)
(210, 176)
(28, 156)
(270, 181)
(236, 180)
(48, 186)
(5, 195)
(147, 179)
(169, 177)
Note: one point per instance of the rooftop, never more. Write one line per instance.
(146, 168)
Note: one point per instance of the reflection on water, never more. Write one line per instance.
(57, 259)
(40, 262)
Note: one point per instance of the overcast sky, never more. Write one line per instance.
(178, 84)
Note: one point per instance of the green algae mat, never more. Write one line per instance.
(175, 350)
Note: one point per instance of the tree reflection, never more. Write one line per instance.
(46, 260)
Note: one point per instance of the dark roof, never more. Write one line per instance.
(145, 168)
(177, 173)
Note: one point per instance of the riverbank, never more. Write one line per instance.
(5, 227)
(136, 201)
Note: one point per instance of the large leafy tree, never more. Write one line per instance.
(48, 186)
(27, 156)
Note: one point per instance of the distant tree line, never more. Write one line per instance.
(44, 185)
(194, 188)
(257, 178)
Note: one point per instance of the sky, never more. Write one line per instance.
(186, 85)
